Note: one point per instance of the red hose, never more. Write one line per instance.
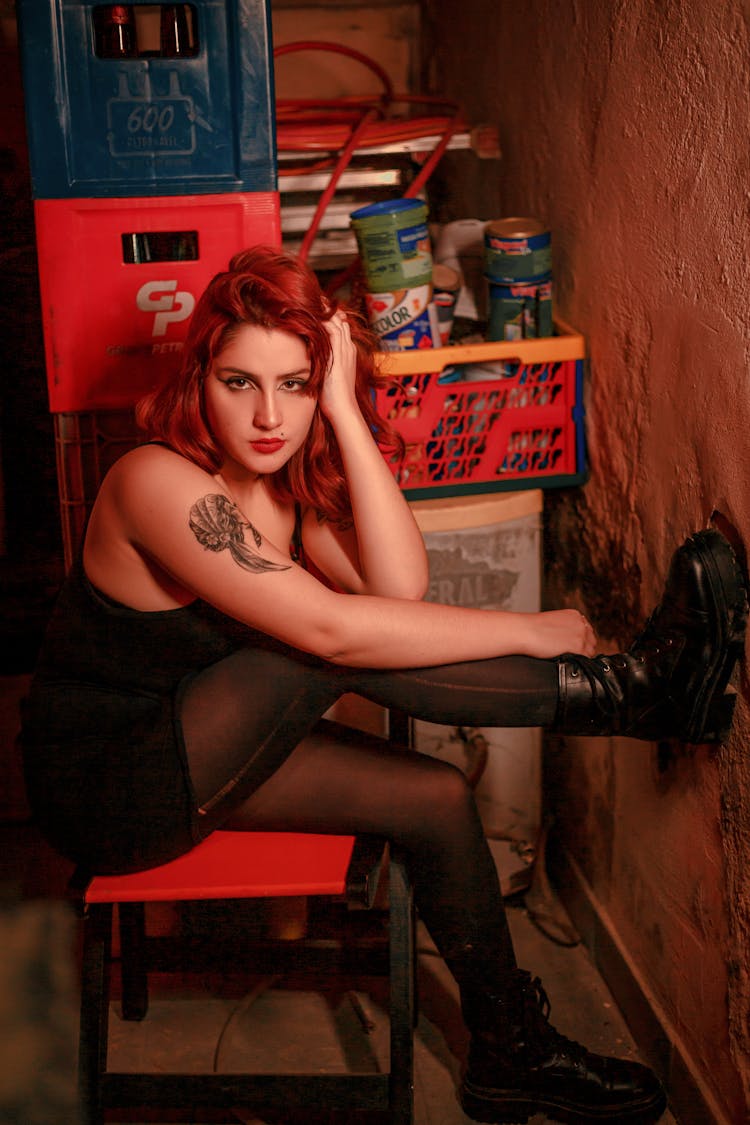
(345, 124)
(327, 195)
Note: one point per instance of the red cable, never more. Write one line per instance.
(429, 165)
(327, 195)
(350, 122)
(348, 273)
(323, 137)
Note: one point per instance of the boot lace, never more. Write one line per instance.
(654, 639)
(541, 1037)
(595, 675)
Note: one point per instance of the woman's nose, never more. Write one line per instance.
(267, 412)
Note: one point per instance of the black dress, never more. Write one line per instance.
(104, 758)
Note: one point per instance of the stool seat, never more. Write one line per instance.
(237, 865)
(232, 866)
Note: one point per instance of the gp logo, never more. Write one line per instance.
(167, 304)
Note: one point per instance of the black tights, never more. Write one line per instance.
(260, 759)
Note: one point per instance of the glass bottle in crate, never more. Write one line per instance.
(174, 31)
(116, 36)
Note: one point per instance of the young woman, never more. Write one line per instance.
(254, 560)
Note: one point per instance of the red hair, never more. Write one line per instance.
(266, 287)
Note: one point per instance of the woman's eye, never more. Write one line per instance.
(294, 384)
(237, 383)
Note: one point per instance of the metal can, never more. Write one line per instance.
(517, 250)
(520, 312)
(404, 318)
(394, 244)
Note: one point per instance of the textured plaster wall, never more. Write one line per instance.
(625, 126)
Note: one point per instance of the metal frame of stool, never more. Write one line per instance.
(390, 1093)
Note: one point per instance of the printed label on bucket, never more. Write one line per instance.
(520, 312)
(394, 244)
(511, 259)
(396, 257)
(416, 253)
(404, 319)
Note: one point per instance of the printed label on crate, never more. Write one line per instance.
(404, 319)
(142, 126)
(165, 302)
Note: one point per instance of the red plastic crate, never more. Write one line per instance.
(466, 433)
(114, 327)
(87, 444)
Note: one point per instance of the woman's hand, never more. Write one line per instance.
(382, 552)
(562, 630)
(338, 393)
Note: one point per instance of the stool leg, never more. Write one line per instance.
(133, 971)
(92, 1047)
(402, 992)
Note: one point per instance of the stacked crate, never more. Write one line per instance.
(152, 151)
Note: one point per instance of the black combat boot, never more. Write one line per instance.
(519, 1065)
(671, 682)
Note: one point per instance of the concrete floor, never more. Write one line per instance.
(233, 1021)
(271, 1028)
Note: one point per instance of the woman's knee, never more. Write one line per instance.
(446, 791)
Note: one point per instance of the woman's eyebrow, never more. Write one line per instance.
(251, 375)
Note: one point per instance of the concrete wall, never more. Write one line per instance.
(625, 127)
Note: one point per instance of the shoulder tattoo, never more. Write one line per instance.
(218, 525)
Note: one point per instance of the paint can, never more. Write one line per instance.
(404, 319)
(520, 312)
(394, 244)
(446, 285)
(517, 250)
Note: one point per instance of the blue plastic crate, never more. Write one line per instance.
(104, 127)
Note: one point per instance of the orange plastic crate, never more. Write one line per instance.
(468, 432)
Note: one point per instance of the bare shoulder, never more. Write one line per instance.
(153, 472)
(152, 459)
(146, 491)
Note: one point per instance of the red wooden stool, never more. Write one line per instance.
(244, 865)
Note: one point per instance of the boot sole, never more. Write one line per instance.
(711, 717)
(511, 1107)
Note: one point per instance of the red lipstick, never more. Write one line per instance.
(267, 445)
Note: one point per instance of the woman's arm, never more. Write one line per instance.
(172, 514)
(383, 553)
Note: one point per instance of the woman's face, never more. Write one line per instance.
(255, 399)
